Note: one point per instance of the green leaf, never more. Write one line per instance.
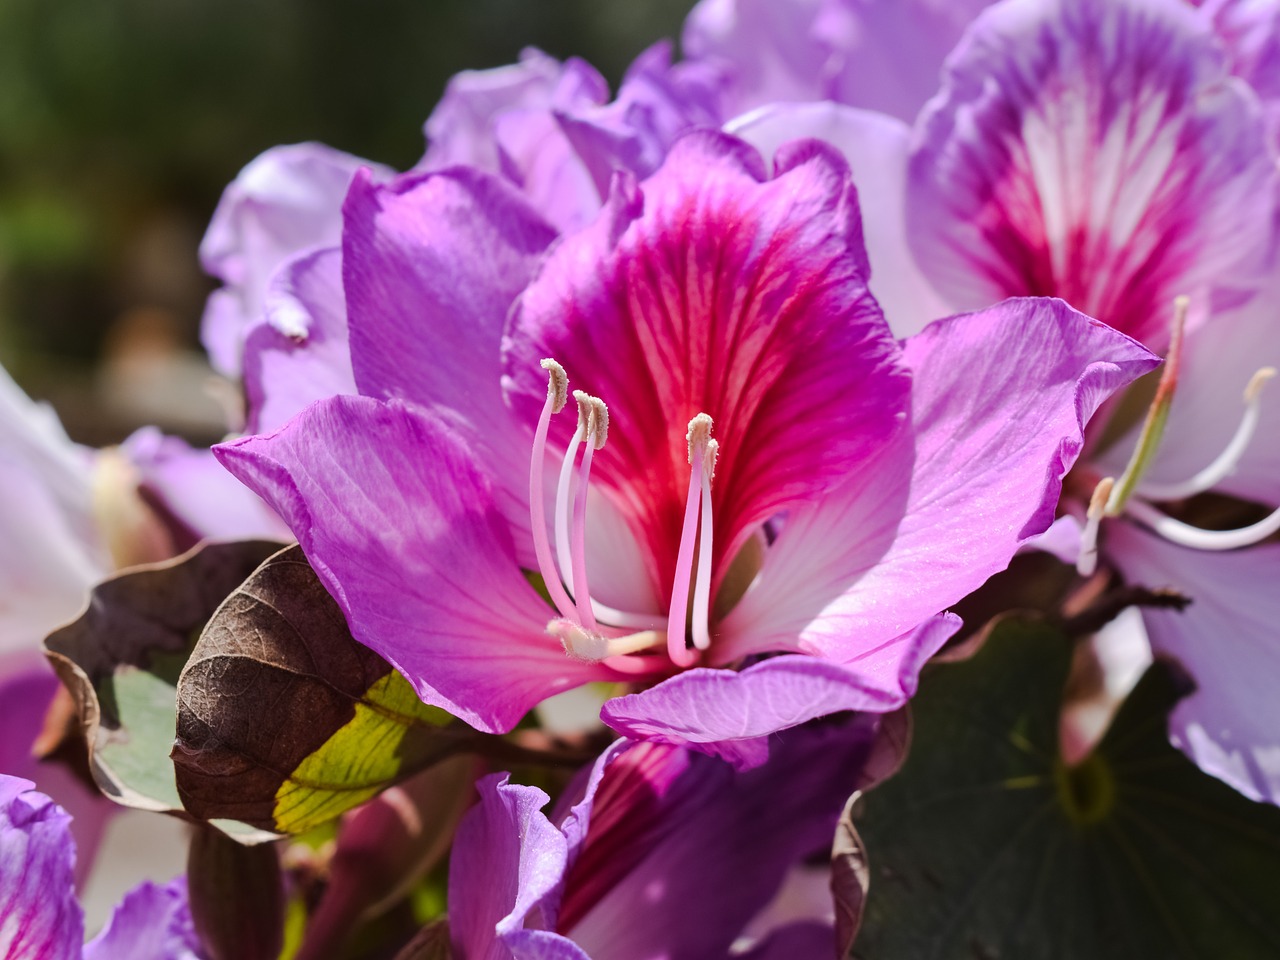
(122, 657)
(285, 721)
(985, 846)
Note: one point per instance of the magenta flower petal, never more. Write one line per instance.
(999, 403)
(298, 352)
(1227, 641)
(876, 147)
(1093, 150)
(431, 265)
(285, 201)
(730, 714)
(27, 687)
(507, 856)
(152, 922)
(39, 916)
(401, 524)
(792, 359)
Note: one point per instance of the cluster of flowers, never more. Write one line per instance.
(779, 468)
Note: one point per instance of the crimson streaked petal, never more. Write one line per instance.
(711, 289)
(1094, 150)
(402, 525)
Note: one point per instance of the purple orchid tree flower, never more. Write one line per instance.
(649, 829)
(1115, 161)
(767, 473)
(40, 918)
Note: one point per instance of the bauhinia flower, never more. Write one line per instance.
(1103, 152)
(647, 831)
(757, 475)
(40, 918)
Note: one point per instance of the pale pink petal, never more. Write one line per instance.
(1227, 640)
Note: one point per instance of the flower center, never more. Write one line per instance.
(591, 630)
(1131, 494)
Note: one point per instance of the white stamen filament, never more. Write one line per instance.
(595, 416)
(702, 582)
(1226, 462)
(1087, 562)
(1186, 535)
(699, 437)
(557, 395)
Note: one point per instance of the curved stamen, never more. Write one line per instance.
(1186, 535)
(1226, 462)
(557, 396)
(562, 501)
(1087, 562)
(702, 582)
(677, 614)
(595, 414)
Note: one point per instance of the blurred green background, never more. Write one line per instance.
(122, 120)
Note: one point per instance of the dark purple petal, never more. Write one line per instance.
(668, 826)
(39, 916)
(402, 525)
(1093, 150)
(27, 688)
(730, 714)
(152, 922)
(710, 289)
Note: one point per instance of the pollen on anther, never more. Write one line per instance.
(1257, 382)
(711, 456)
(593, 418)
(699, 434)
(557, 384)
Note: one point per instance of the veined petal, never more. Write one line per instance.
(876, 147)
(1228, 642)
(1250, 29)
(298, 352)
(431, 264)
(1000, 399)
(286, 200)
(1094, 150)
(506, 857)
(152, 922)
(402, 525)
(710, 289)
(39, 916)
(730, 714)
